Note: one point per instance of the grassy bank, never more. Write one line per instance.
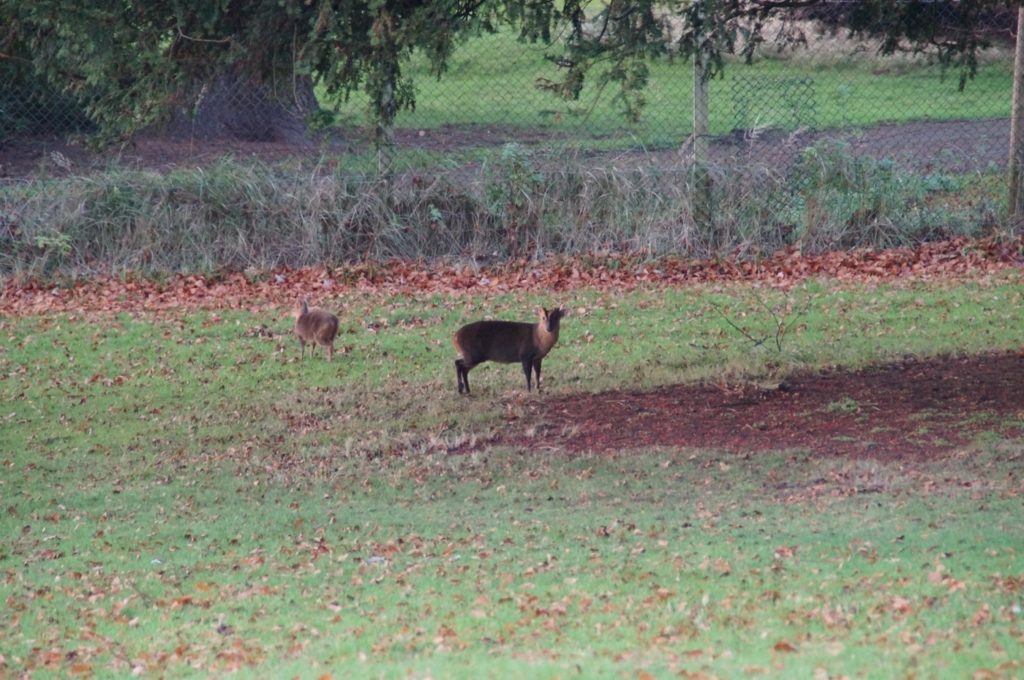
(182, 496)
(513, 202)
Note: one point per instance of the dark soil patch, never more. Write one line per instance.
(926, 146)
(912, 409)
(952, 146)
(55, 156)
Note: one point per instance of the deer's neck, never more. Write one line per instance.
(545, 340)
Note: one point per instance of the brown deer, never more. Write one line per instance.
(316, 327)
(506, 342)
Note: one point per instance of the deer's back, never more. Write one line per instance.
(505, 342)
(317, 324)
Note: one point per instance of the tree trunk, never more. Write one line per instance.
(237, 108)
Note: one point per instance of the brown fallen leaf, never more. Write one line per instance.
(784, 646)
(900, 605)
(951, 258)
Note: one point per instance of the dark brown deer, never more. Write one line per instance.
(506, 342)
(315, 327)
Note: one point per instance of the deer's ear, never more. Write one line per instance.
(542, 313)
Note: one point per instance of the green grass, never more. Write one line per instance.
(181, 496)
(491, 81)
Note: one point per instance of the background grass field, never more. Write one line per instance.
(491, 80)
(181, 496)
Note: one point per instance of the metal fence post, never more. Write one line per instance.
(1017, 131)
(385, 137)
(701, 108)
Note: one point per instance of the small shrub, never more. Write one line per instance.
(831, 198)
(512, 185)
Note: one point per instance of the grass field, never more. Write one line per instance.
(182, 497)
(491, 81)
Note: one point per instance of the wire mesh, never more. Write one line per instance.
(827, 87)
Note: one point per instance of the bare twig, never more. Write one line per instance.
(782, 326)
(741, 331)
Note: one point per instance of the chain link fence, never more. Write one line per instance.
(28, 110)
(820, 142)
(821, 85)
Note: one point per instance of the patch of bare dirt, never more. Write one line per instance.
(26, 159)
(911, 409)
(956, 145)
(30, 157)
